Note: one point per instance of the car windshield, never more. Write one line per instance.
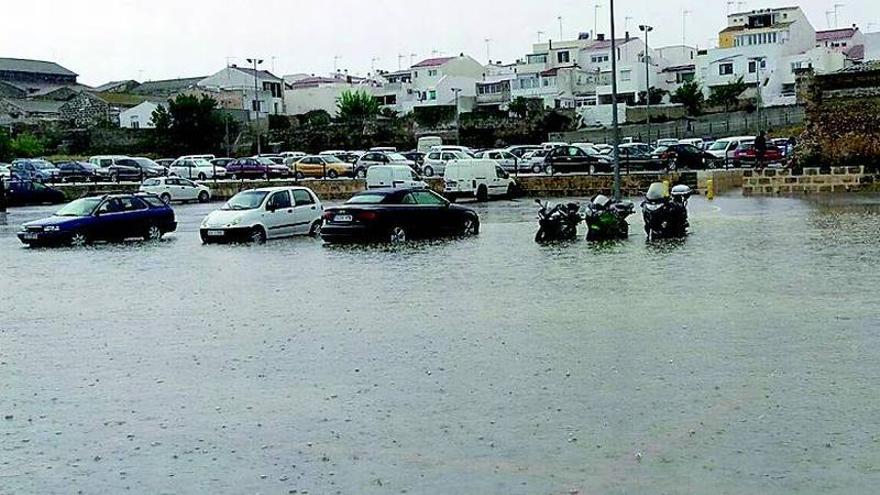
(366, 199)
(146, 162)
(248, 200)
(660, 149)
(396, 157)
(42, 164)
(718, 145)
(79, 208)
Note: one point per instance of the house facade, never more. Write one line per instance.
(310, 93)
(432, 82)
(262, 92)
(34, 77)
(139, 117)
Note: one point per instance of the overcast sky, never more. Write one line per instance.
(105, 40)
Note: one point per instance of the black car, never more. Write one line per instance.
(568, 159)
(397, 215)
(136, 169)
(682, 156)
(634, 158)
(28, 192)
(417, 157)
(221, 162)
(80, 172)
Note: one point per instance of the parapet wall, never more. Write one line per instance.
(776, 182)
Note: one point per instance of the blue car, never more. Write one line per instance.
(109, 218)
(34, 169)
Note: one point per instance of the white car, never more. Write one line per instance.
(195, 169)
(296, 155)
(176, 189)
(260, 214)
(4, 171)
(507, 160)
(436, 161)
(724, 148)
(393, 176)
(476, 178)
(534, 160)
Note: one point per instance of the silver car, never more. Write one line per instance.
(372, 158)
(435, 162)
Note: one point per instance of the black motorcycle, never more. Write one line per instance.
(559, 223)
(606, 218)
(666, 215)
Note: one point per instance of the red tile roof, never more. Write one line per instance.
(432, 62)
(835, 34)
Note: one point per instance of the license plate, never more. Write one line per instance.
(31, 237)
(216, 233)
(343, 218)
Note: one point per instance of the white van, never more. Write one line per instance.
(476, 178)
(427, 143)
(393, 176)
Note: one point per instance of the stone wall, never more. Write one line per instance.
(775, 182)
(85, 110)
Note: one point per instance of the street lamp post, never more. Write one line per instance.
(647, 29)
(257, 62)
(614, 122)
(758, 96)
(457, 118)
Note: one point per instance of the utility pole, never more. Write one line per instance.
(457, 117)
(559, 18)
(614, 122)
(837, 7)
(626, 23)
(596, 8)
(257, 62)
(488, 42)
(647, 29)
(758, 96)
(412, 58)
(684, 14)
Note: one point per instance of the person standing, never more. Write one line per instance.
(760, 150)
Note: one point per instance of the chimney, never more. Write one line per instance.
(600, 37)
(550, 44)
(627, 36)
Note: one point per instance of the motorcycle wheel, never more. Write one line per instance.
(541, 236)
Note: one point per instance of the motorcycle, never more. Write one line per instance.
(559, 223)
(666, 215)
(606, 218)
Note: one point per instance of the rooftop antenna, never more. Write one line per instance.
(559, 18)
(626, 23)
(740, 5)
(828, 17)
(373, 64)
(596, 8)
(336, 59)
(400, 58)
(684, 15)
(540, 35)
(412, 59)
(488, 42)
(837, 7)
(273, 63)
(730, 5)
(435, 52)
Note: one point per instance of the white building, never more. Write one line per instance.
(140, 116)
(432, 82)
(765, 47)
(306, 94)
(872, 47)
(262, 91)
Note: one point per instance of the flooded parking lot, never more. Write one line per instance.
(741, 360)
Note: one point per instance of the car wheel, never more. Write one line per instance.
(166, 198)
(79, 239)
(258, 235)
(315, 231)
(429, 171)
(204, 197)
(154, 233)
(362, 173)
(397, 235)
(202, 176)
(333, 174)
(299, 176)
(536, 168)
(482, 194)
(549, 170)
(471, 227)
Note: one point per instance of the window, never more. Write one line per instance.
(302, 197)
(408, 200)
(133, 204)
(625, 75)
(279, 200)
(428, 198)
(563, 57)
(432, 72)
(500, 173)
(725, 69)
(110, 206)
(432, 95)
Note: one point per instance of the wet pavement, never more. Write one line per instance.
(741, 360)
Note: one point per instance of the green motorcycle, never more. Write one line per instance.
(606, 218)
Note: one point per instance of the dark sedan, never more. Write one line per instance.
(134, 169)
(397, 215)
(80, 172)
(263, 168)
(103, 218)
(682, 156)
(27, 192)
(567, 159)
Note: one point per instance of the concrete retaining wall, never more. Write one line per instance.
(724, 180)
(771, 182)
(534, 186)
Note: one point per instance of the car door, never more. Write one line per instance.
(498, 185)
(279, 216)
(135, 219)
(306, 211)
(434, 217)
(110, 221)
(183, 189)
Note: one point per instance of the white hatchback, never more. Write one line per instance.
(267, 213)
(196, 169)
(176, 189)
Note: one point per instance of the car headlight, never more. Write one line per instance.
(51, 228)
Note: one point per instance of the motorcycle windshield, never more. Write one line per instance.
(656, 192)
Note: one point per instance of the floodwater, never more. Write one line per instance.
(745, 359)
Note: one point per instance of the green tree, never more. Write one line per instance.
(356, 107)
(27, 146)
(690, 94)
(727, 96)
(191, 124)
(657, 95)
(523, 108)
